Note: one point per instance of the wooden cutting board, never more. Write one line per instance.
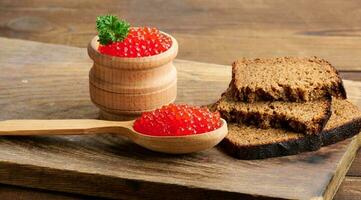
(44, 81)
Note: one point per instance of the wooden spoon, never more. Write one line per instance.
(165, 144)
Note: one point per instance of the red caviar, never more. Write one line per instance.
(177, 120)
(140, 42)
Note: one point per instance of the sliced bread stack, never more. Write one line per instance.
(284, 106)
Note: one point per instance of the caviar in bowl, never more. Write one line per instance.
(140, 42)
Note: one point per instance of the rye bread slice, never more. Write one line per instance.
(308, 117)
(286, 79)
(247, 142)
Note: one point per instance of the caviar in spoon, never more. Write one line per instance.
(177, 120)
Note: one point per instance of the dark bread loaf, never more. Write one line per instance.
(286, 79)
(246, 142)
(308, 117)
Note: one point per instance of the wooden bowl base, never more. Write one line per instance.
(116, 117)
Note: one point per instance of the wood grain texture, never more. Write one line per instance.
(132, 85)
(350, 189)
(208, 32)
(110, 166)
(351, 75)
(355, 169)
(343, 166)
(8, 192)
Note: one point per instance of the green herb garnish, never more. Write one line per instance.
(111, 29)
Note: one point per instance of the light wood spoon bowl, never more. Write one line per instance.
(165, 144)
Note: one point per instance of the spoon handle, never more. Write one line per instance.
(64, 127)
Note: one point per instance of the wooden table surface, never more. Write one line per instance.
(207, 31)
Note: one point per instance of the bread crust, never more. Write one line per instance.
(343, 132)
(289, 147)
(294, 146)
(267, 120)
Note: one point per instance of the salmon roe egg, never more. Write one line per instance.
(140, 42)
(177, 120)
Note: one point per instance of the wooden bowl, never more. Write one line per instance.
(129, 86)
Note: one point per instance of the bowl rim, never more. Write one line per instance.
(172, 51)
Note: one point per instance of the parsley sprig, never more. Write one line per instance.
(111, 29)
